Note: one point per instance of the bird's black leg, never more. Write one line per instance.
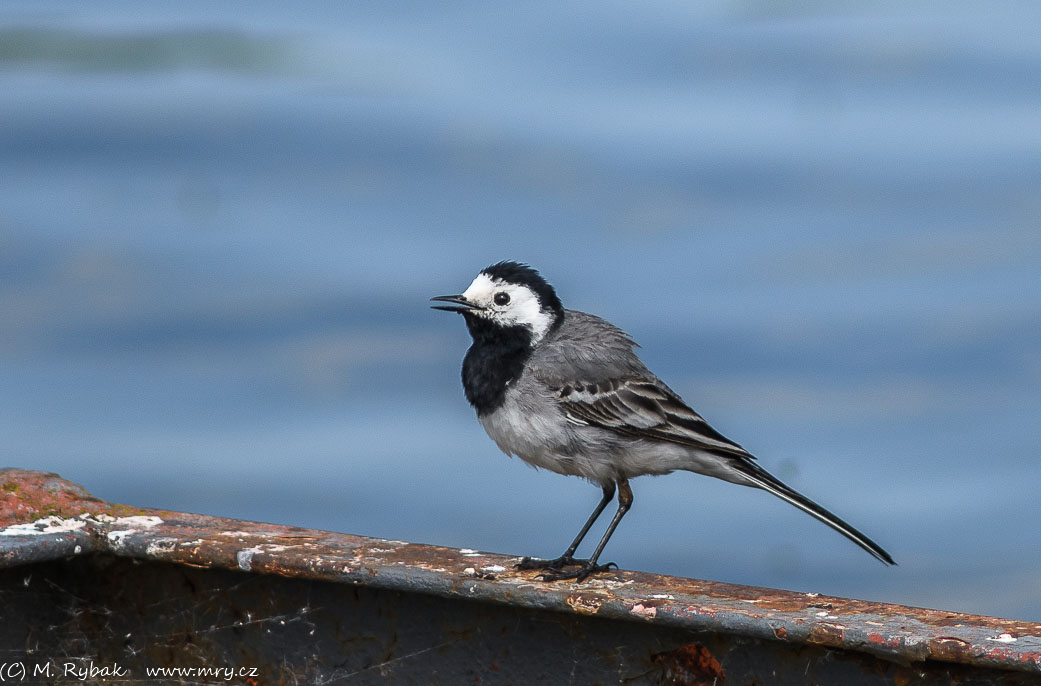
(588, 567)
(567, 558)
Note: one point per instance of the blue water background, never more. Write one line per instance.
(220, 224)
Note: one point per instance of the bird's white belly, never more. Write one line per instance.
(522, 427)
(545, 439)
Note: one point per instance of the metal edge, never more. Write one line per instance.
(898, 633)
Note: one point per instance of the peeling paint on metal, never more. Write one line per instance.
(584, 604)
(244, 558)
(1003, 638)
(139, 520)
(161, 546)
(118, 538)
(647, 612)
(902, 634)
(44, 525)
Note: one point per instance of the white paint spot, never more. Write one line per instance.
(666, 596)
(244, 558)
(147, 521)
(45, 525)
(598, 583)
(493, 568)
(161, 546)
(1003, 638)
(118, 538)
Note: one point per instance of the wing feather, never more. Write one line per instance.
(645, 409)
(607, 385)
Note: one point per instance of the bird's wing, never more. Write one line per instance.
(643, 408)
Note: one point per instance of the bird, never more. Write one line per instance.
(564, 390)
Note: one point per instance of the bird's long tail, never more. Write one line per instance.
(766, 481)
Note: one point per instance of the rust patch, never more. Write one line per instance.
(947, 647)
(880, 640)
(690, 665)
(826, 633)
(584, 604)
(26, 496)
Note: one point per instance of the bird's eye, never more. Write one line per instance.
(502, 298)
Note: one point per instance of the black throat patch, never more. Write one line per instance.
(495, 359)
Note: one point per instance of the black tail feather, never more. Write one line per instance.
(766, 481)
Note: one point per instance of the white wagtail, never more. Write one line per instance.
(564, 390)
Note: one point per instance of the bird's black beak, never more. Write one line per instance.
(459, 304)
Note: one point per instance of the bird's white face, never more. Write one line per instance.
(509, 304)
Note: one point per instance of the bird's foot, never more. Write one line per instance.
(557, 564)
(579, 575)
(553, 570)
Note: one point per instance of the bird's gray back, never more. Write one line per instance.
(586, 348)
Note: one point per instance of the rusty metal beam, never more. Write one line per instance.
(690, 629)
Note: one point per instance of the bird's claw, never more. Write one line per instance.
(579, 575)
(557, 564)
(553, 570)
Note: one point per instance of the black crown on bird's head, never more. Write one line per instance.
(521, 274)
